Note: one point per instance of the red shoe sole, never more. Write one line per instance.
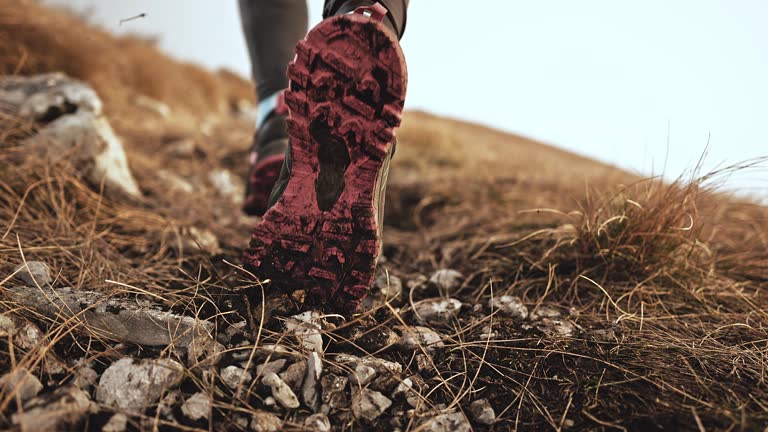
(348, 83)
(260, 182)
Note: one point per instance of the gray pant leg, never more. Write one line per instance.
(272, 28)
(396, 18)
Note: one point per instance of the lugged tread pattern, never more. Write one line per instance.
(350, 74)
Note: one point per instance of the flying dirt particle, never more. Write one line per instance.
(135, 17)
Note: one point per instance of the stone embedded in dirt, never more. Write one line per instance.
(280, 391)
(423, 363)
(35, 273)
(123, 320)
(273, 366)
(72, 126)
(406, 389)
(437, 310)
(557, 327)
(482, 411)
(85, 378)
(373, 339)
(228, 185)
(606, 335)
(381, 365)
(233, 376)
(60, 410)
(449, 422)
(262, 421)
(369, 404)
(116, 423)
(132, 385)
(362, 375)
(334, 391)
(28, 337)
(509, 306)
(310, 391)
(294, 375)
(197, 407)
(448, 281)
(204, 352)
(318, 422)
(305, 328)
(545, 312)
(20, 383)
(417, 337)
(201, 239)
(386, 287)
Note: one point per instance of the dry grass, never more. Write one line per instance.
(665, 283)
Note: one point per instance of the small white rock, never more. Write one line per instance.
(509, 306)
(116, 423)
(362, 375)
(416, 337)
(306, 330)
(310, 391)
(437, 310)
(21, 383)
(197, 407)
(280, 391)
(450, 422)
(557, 327)
(294, 375)
(447, 281)
(35, 273)
(368, 404)
(232, 376)
(483, 412)
(318, 422)
(262, 421)
(273, 366)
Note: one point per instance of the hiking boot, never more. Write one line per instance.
(345, 97)
(267, 155)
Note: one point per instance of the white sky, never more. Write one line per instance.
(604, 78)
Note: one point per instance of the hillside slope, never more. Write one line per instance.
(644, 302)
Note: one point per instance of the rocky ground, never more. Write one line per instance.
(510, 296)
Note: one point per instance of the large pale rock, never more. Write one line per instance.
(310, 391)
(133, 386)
(483, 412)
(437, 310)
(35, 273)
(280, 391)
(448, 281)
(418, 337)
(119, 319)
(305, 328)
(368, 404)
(72, 126)
(59, 410)
(197, 407)
(21, 383)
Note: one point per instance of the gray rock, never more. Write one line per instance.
(305, 328)
(417, 337)
(386, 287)
(28, 337)
(423, 363)
(556, 327)
(233, 376)
(334, 391)
(35, 273)
(437, 310)
(294, 375)
(273, 366)
(545, 312)
(7, 327)
(78, 132)
(381, 365)
(59, 410)
(116, 423)
(310, 391)
(362, 375)
(122, 320)
(482, 411)
(509, 306)
(368, 404)
(85, 378)
(21, 383)
(133, 386)
(450, 422)
(197, 407)
(406, 389)
(318, 422)
(200, 239)
(262, 421)
(204, 351)
(280, 391)
(447, 281)
(228, 185)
